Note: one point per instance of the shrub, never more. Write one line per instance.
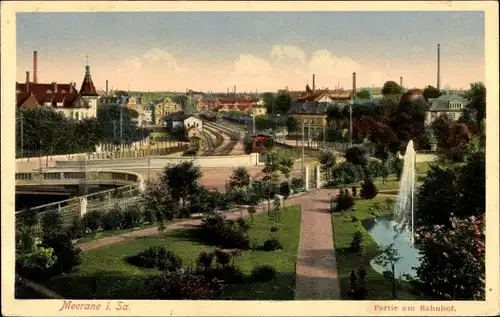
(51, 221)
(222, 257)
(183, 284)
(76, 229)
(374, 168)
(205, 260)
(356, 155)
(157, 256)
(92, 220)
(216, 231)
(346, 173)
(356, 242)
(344, 200)
(149, 216)
(229, 274)
(35, 265)
(272, 245)
(354, 191)
(368, 189)
(263, 273)
(274, 229)
(298, 184)
(285, 189)
(131, 217)
(243, 224)
(112, 220)
(67, 255)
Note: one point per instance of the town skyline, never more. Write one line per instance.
(254, 51)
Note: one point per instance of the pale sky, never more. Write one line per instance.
(262, 51)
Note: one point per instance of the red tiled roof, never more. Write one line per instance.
(88, 88)
(44, 93)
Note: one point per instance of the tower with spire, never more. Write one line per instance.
(88, 92)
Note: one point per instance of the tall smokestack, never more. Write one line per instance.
(314, 83)
(35, 67)
(27, 76)
(401, 82)
(106, 87)
(354, 85)
(228, 91)
(439, 67)
(235, 90)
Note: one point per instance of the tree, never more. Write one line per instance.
(356, 155)
(364, 94)
(389, 257)
(182, 180)
(268, 98)
(328, 160)
(391, 88)
(452, 261)
(159, 203)
(239, 180)
(477, 101)
(291, 124)
(282, 103)
(450, 208)
(181, 100)
(431, 92)
(271, 176)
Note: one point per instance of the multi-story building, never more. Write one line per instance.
(165, 107)
(63, 98)
(450, 104)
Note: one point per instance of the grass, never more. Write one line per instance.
(391, 183)
(293, 153)
(379, 288)
(118, 279)
(110, 233)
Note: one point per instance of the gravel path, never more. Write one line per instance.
(316, 268)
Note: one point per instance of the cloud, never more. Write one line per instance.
(252, 65)
(156, 60)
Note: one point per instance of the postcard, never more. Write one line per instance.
(267, 158)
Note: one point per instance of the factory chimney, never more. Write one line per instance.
(27, 76)
(235, 90)
(35, 67)
(438, 67)
(314, 83)
(401, 82)
(106, 87)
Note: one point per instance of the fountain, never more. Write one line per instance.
(400, 229)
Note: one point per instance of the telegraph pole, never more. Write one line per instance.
(22, 136)
(121, 124)
(303, 145)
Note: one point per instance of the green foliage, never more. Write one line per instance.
(112, 220)
(181, 179)
(364, 94)
(239, 180)
(263, 273)
(159, 203)
(477, 98)
(368, 189)
(298, 184)
(344, 200)
(356, 155)
(282, 103)
(205, 260)
(431, 92)
(131, 217)
(285, 189)
(217, 231)
(68, 257)
(182, 285)
(272, 244)
(346, 173)
(92, 220)
(391, 88)
(157, 256)
(35, 265)
(356, 245)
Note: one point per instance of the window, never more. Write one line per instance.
(433, 115)
(77, 116)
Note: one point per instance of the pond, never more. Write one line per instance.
(383, 233)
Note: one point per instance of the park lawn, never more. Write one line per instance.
(379, 288)
(293, 153)
(390, 183)
(119, 279)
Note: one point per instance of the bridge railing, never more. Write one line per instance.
(70, 177)
(76, 207)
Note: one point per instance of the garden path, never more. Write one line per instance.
(96, 244)
(316, 269)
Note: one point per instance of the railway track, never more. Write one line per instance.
(234, 137)
(210, 146)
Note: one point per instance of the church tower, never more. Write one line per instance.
(88, 92)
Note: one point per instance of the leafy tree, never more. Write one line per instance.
(364, 94)
(391, 88)
(389, 257)
(239, 180)
(182, 180)
(271, 176)
(292, 124)
(268, 98)
(477, 98)
(282, 103)
(441, 128)
(181, 100)
(356, 155)
(328, 160)
(452, 261)
(431, 92)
